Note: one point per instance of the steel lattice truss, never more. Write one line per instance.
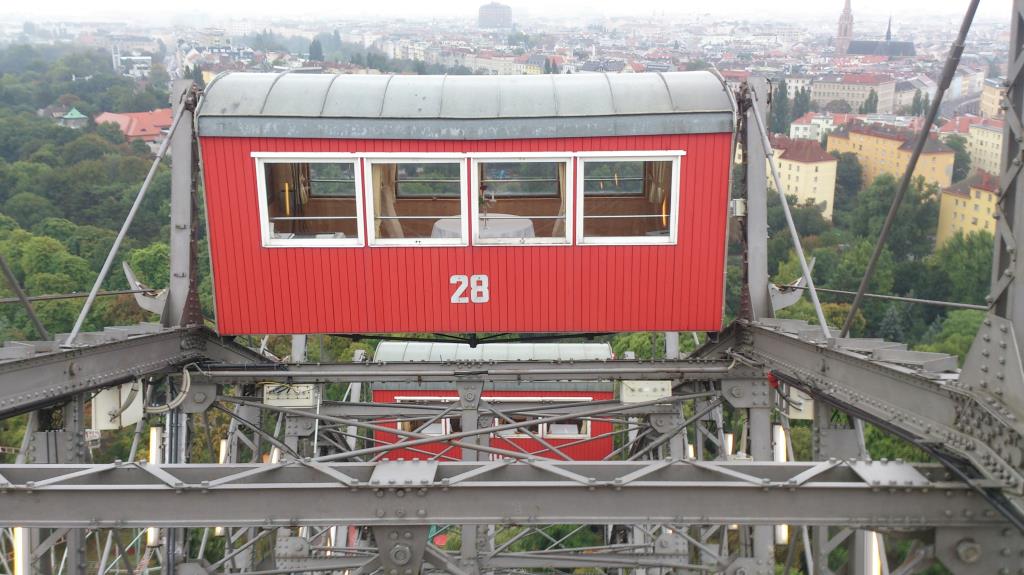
(311, 489)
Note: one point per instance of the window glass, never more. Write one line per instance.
(422, 426)
(628, 199)
(518, 432)
(570, 428)
(417, 200)
(311, 200)
(522, 201)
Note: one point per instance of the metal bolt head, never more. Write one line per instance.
(968, 551)
(401, 554)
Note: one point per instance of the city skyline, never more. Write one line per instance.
(62, 9)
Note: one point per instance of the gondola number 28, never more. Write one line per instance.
(478, 287)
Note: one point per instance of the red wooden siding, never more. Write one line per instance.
(575, 448)
(406, 289)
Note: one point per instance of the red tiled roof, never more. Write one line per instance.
(979, 180)
(146, 126)
(735, 74)
(960, 124)
(804, 151)
(868, 79)
(805, 119)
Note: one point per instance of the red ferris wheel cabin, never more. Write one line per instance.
(555, 203)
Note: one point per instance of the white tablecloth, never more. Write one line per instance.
(491, 226)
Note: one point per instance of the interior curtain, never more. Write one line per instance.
(657, 179)
(559, 228)
(385, 178)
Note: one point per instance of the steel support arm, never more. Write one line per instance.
(936, 409)
(116, 355)
(856, 494)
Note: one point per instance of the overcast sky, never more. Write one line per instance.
(93, 9)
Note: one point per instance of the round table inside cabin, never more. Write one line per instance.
(492, 226)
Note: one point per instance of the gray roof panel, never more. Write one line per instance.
(300, 95)
(412, 97)
(355, 96)
(464, 107)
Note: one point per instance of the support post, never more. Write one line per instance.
(181, 290)
(756, 232)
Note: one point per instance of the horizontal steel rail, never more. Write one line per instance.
(837, 493)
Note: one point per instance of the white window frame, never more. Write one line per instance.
(675, 156)
(425, 158)
(261, 160)
(542, 429)
(513, 157)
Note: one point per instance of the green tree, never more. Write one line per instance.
(917, 105)
(87, 147)
(838, 107)
(779, 118)
(849, 179)
(801, 103)
(961, 157)
(965, 263)
(151, 264)
(911, 236)
(854, 261)
(956, 333)
(158, 76)
(316, 51)
(110, 132)
(28, 209)
(870, 105)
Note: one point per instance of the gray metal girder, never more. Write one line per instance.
(114, 356)
(447, 372)
(934, 408)
(311, 493)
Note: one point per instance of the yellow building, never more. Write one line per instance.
(806, 171)
(887, 149)
(969, 206)
(985, 145)
(992, 97)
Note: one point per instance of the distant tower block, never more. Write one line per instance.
(845, 34)
(495, 16)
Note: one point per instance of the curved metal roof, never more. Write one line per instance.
(464, 107)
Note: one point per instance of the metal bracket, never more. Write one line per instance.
(748, 390)
(670, 544)
(295, 426)
(980, 550)
(666, 422)
(401, 548)
(469, 393)
(200, 397)
(291, 552)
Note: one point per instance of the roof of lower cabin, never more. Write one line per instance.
(444, 351)
(298, 105)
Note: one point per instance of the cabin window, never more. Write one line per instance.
(519, 431)
(424, 426)
(628, 200)
(569, 428)
(522, 201)
(309, 202)
(416, 202)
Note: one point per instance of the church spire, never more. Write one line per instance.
(888, 31)
(845, 33)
